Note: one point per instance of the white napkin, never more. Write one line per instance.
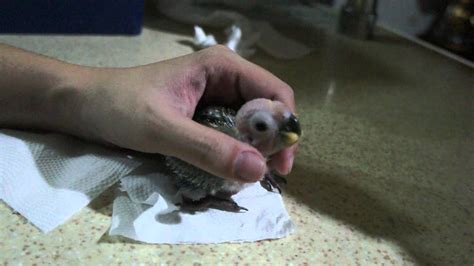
(145, 211)
(244, 34)
(49, 177)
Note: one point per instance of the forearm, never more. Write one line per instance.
(34, 89)
(147, 108)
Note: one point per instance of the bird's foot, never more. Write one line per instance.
(271, 181)
(210, 202)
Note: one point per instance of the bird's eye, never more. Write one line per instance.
(261, 126)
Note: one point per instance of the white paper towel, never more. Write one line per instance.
(49, 177)
(243, 34)
(145, 211)
(234, 35)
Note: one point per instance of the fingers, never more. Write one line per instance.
(256, 82)
(282, 162)
(232, 77)
(215, 152)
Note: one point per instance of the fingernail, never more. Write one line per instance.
(249, 166)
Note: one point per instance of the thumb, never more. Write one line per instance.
(216, 152)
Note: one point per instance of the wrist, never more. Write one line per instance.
(38, 92)
(67, 100)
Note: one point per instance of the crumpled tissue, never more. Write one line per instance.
(49, 177)
(145, 210)
(244, 34)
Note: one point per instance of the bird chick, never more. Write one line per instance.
(269, 126)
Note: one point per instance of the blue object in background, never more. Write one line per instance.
(71, 16)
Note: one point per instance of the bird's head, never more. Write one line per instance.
(267, 125)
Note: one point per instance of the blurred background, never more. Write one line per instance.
(447, 24)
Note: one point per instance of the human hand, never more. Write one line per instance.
(150, 109)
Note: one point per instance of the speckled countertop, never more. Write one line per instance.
(384, 174)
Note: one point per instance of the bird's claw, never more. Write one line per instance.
(272, 181)
(243, 209)
(210, 202)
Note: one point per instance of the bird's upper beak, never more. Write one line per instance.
(290, 131)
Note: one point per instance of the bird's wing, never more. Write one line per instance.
(190, 177)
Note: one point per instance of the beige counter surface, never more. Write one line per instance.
(384, 174)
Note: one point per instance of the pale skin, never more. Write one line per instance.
(145, 108)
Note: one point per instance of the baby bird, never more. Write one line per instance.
(267, 125)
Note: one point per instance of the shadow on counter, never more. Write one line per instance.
(431, 225)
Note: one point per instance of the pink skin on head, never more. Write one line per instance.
(262, 114)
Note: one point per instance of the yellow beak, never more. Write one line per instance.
(289, 138)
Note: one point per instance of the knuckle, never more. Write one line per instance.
(221, 48)
(217, 153)
(287, 92)
(286, 95)
(218, 54)
(206, 149)
(290, 92)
